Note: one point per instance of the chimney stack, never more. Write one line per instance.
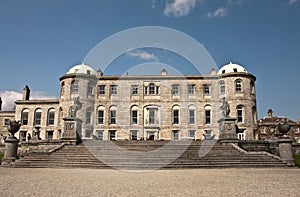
(0, 104)
(270, 113)
(26, 93)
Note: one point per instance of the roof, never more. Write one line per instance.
(232, 68)
(82, 69)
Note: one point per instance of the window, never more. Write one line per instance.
(100, 115)
(50, 135)
(146, 90)
(25, 117)
(235, 70)
(238, 85)
(240, 118)
(134, 89)
(112, 134)
(113, 89)
(252, 87)
(191, 116)
(100, 134)
(133, 135)
(151, 89)
(101, 89)
(74, 87)
(62, 88)
(88, 133)
(37, 117)
(207, 114)
(191, 89)
(23, 135)
(134, 116)
(151, 116)
(206, 89)
(90, 89)
(175, 89)
(175, 135)
(89, 113)
(222, 87)
(113, 115)
(176, 115)
(51, 116)
(192, 134)
(6, 121)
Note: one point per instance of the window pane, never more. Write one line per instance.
(151, 89)
(25, 118)
(151, 116)
(102, 89)
(175, 135)
(175, 89)
(113, 89)
(100, 134)
(100, 117)
(192, 116)
(113, 114)
(90, 89)
(238, 86)
(51, 118)
(207, 117)
(134, 117)
(134, 90)
(206, 89)
(191, 89)
(74, 87)
(38, 116)
(176, 116)
(192, 134)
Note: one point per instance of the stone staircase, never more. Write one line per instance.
(148, 155)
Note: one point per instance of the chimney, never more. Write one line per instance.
(213, 71)
(26, 93)
(0, 104)
(163, 72)
(270, 113)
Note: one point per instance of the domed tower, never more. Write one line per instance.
(77, 96)
(238, 87)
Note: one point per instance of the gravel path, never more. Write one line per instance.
(201, 182)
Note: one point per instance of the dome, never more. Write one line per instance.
(82, 69)
(232, 68)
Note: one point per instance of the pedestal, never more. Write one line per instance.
(72, 131)
(228, 130)
(11, 150)
(285, 151)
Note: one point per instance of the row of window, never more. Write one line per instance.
(153, 89)
(38, 117)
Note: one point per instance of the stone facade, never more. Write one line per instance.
(158, 107)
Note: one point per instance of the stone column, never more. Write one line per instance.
(285, 151)
(11, 149)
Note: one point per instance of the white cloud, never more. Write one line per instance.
(143, 55)
(291, 2)
(9, 97)
(219, 12)
(179, 8)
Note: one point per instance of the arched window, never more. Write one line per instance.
(134, 114)
(113, 115)
(90, 89)
(240, 113)
(207, 110)
(192, 115)
(51, 116)
(238, 85)
(222, 87)
(101, 110)
(62, 88)
(37, 117)
(74, 87)
(60, 116)
(24, 116)
(176, 110)
(89, 115)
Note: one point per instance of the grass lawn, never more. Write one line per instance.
(297, 160)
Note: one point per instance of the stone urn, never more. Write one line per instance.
(13, 127)
(283, 128)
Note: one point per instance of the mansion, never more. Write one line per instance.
(161, 107)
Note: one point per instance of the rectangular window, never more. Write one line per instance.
(101, 89)
(146, 90)
(25, 118)
(99, 134)
(175, 116)
(113, 116)
(207, 117)
(151, 89)
(175, 89)
(50, 135)
(134, 89)
(6, 121)
(100, 117)
(151, 116)
(37, 120)
(90, 89)
(134, 117)
(206, 89)
(89, 117)
(191, 88)
(192, 134)
(51, 118)
(113, 89)
(112, 134)
(88, 133)
(23, 135)
(133, 135)
(240, 115)
(175, 135)
(192, 116)
(222, 88)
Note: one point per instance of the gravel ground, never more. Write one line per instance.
(195, 182)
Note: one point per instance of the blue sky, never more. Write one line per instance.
(41, 40)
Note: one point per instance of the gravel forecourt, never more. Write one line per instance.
(186, 182)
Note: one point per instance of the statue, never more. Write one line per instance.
(77, 106)
(225, 108)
